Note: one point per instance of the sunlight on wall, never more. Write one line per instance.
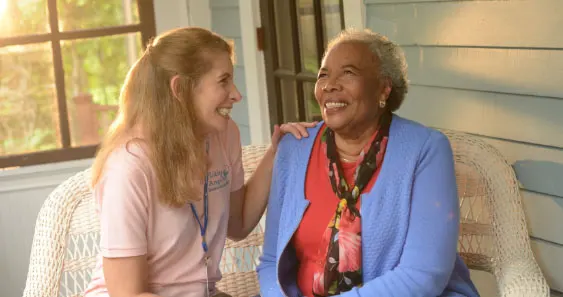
(3, 19)
(3, 5)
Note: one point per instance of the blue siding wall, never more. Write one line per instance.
(225, 20)
(493, 69)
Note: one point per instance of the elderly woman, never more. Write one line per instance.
(367, 205)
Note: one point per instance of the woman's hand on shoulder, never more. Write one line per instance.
(298, 129)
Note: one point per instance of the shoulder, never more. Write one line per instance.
(289, 145)
(127, 178)
(129, 161)
(419, 136)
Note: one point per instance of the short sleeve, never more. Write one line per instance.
(122, 195)
(234, 152)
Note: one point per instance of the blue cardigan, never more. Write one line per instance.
(410, 219)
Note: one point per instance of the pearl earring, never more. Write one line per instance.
(382, 104)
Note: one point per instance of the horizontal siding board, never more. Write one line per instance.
(536, 176)
(244, 134)
(520, 71)
(544, 215)
(517, 151)
(471, 23)
(528, 119)
(240, 110)
(239, 114)
(550, 259)
(226, 22)
(239, 51)
(550, 180)
(240, 79)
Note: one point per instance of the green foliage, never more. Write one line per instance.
(97, 66)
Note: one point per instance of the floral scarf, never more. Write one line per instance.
(341, 270)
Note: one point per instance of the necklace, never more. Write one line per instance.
(341, 155)
(203, 227)
(347, 160)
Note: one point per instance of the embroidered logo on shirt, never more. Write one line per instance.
(218, 178)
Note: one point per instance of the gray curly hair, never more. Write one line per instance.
(393, 64)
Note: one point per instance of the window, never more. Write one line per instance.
(62, 64)
(296, 34)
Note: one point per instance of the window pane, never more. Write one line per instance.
(28, 109)
(308, 36)
(23, 17)
(94, 73)
(332, 19)
(313, 112)
(289, 101)
(88, 14)
(284, 38)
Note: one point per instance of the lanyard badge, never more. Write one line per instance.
(203, 226)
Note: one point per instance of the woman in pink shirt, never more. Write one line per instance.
(168, 179)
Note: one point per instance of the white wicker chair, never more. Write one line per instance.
(493, 234)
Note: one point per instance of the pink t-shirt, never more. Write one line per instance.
(135, 223)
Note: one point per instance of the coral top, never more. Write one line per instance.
(323, 203)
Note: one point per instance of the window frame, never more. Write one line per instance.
(146, 26)
(299, 76)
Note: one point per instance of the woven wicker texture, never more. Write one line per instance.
(493, 234)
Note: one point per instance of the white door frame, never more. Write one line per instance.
(354, 14)
(199, 13)
(172, 14)
(255, 73)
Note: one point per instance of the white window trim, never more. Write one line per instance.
(198, 13)
(255, 73)
(171, 14)
(354, 14)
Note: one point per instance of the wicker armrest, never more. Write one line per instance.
(521, 278)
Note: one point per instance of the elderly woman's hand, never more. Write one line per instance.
(297, 129)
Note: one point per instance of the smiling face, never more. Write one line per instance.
(348, 88)
(215, 94)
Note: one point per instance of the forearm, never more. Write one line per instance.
(256, 193)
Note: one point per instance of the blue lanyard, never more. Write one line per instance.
(203, 228)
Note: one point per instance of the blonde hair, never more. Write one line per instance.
(169, 125)
(393, 64)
